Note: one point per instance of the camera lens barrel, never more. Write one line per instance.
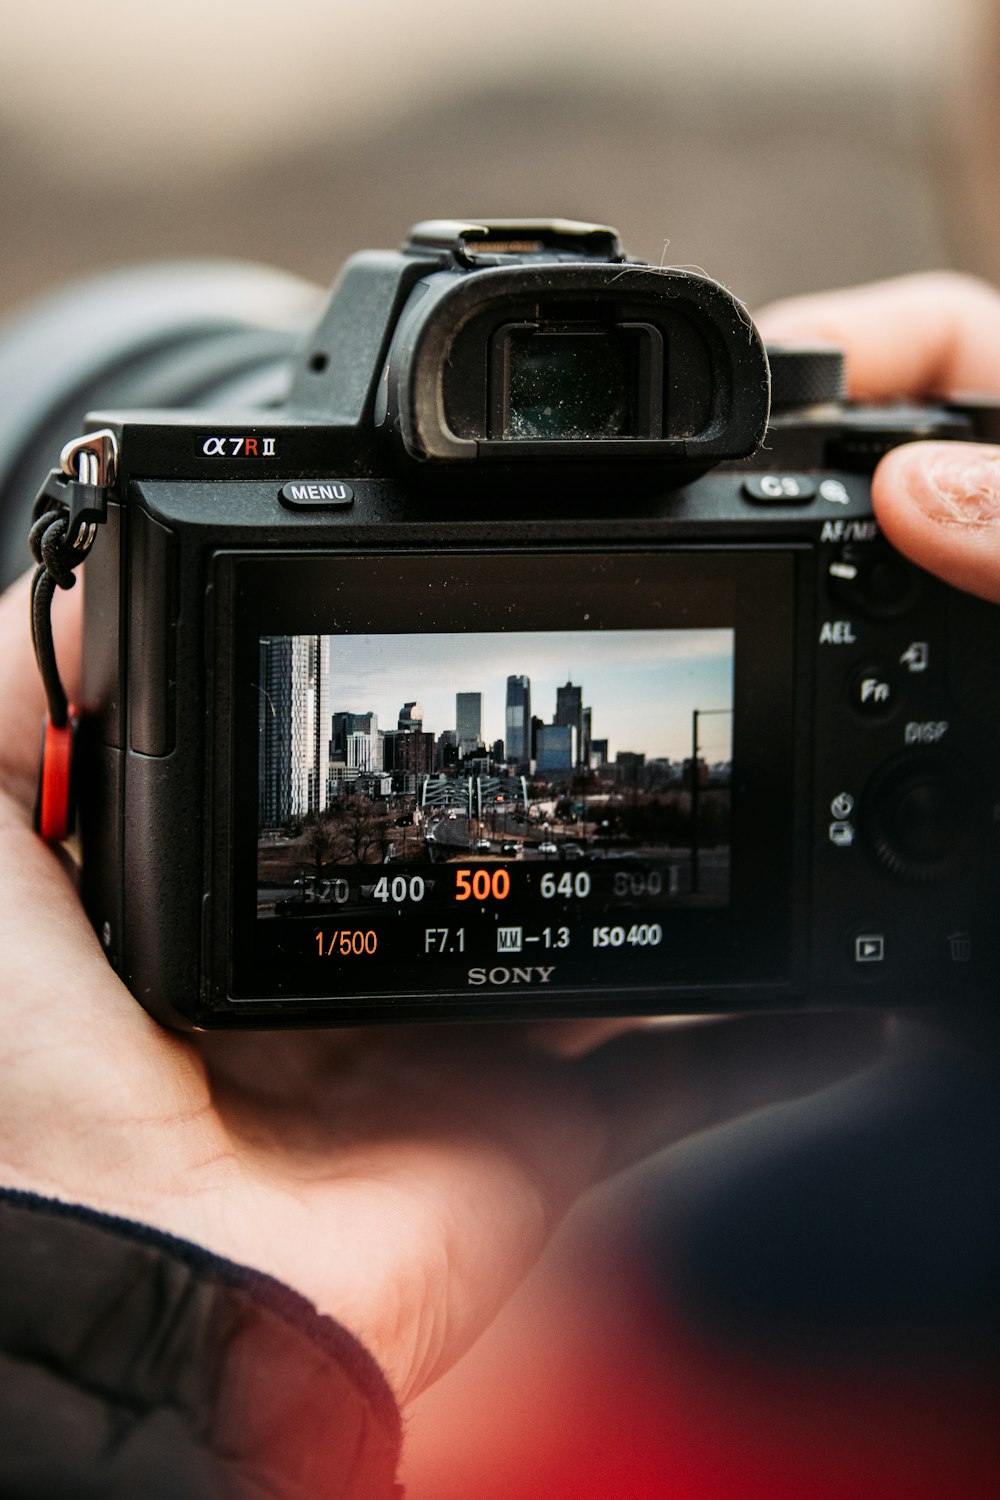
(190, 334)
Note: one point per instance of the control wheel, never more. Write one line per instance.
(923, 816)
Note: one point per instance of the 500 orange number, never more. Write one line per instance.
(480, 885)
(346, 944)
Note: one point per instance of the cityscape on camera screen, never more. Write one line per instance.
(412, 750)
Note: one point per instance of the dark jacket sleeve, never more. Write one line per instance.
(133, 1364)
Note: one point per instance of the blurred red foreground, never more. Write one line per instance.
(586, 1388)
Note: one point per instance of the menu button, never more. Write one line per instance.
(317, 494)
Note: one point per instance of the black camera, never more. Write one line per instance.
(538, 655)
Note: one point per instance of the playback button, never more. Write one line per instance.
(869, 951)
(869, 948)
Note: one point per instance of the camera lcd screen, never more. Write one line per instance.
(593, 799)
(409, 751)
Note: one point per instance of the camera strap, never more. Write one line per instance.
(68, 509)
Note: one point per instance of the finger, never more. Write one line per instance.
(656, 1088)
(939, 504)
(915, 336)
(21, 692)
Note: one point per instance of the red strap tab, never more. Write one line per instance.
(54, 809)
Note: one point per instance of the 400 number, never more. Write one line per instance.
(401, 888)
(639, 935)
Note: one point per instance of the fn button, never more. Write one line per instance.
(872, 693)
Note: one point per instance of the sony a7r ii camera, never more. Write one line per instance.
(538, 655)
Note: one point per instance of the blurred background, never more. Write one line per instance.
(782, 146)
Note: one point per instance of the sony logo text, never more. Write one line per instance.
(513, 976)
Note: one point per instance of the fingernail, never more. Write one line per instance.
(959, 483)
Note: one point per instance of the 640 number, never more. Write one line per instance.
(571, 884)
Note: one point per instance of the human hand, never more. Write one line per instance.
(920, 336)
(404, 1178)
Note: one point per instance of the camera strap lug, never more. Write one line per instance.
(68, 509)
(78, 492)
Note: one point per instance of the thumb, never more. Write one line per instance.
(939, 504)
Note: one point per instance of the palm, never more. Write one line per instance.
(403, 1178)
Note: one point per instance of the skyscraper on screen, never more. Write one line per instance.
(518, 720)
(469, 722)
(293, 723)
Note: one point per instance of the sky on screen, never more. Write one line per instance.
(642, 685)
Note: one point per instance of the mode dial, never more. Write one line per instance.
(806, 375)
